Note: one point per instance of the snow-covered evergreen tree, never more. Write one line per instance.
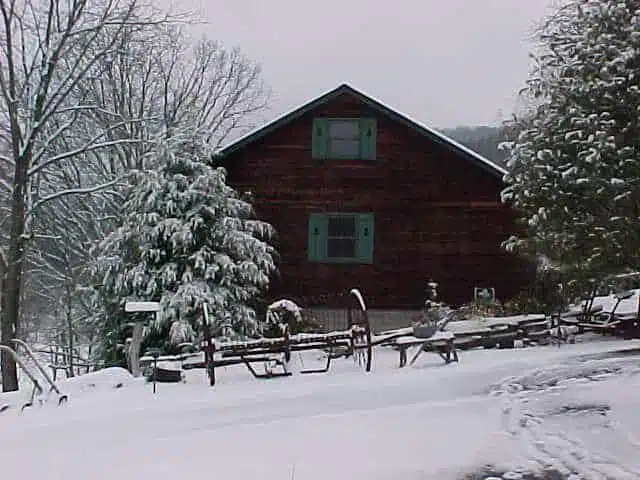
(187, 239)
(574, 168)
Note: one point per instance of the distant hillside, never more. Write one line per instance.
(481, 139)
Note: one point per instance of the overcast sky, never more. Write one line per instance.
(443, 62)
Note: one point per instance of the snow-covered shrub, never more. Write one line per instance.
(188, 239)
(305, 323)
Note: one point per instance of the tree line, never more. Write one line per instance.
(485, 140)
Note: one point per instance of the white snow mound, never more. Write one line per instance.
(107, 379)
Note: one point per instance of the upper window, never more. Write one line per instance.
(344, 138)
(341, 237)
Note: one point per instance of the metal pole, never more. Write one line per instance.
(155, 373)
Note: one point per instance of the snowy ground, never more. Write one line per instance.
(567, 408)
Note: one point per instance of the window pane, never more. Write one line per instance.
(344, 148)
(346, 129)
(341, 227)
(341, 247)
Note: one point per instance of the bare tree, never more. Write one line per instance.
(47, 52)
(209, 90)
(144, 86)
(161, 83)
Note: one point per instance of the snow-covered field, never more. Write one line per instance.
(569, 408)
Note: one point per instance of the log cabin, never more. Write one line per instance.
(363, 196)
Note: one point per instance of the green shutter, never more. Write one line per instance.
(319, 138)
(317, 237)
(368, 130)
(365, 237)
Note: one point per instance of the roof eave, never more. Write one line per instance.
(279, 121)
(477, 159)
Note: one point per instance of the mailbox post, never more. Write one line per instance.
(154, 353)
(136, 336)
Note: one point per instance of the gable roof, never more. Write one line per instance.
(377, 105)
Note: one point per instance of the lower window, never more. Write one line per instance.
(341, 237)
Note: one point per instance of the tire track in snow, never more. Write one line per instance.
(603, 464)
(545, 445)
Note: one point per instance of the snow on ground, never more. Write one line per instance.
(569, 408)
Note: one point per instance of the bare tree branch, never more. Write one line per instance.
(89, 146)
(73, 191)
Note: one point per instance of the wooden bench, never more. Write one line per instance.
(440, 342)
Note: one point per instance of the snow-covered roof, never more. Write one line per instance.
(431, 133)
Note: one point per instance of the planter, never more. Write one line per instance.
(165, 375)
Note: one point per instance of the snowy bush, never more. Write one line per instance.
(188, 239)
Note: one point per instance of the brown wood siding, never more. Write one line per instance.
(436, 214)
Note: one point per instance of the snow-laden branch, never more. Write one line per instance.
(86, 148)
(6, 185)
(7, 160)
(40, 236)
(3, 259)
(72, 191)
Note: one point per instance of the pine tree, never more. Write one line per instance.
(574, 168)
(187, 239)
